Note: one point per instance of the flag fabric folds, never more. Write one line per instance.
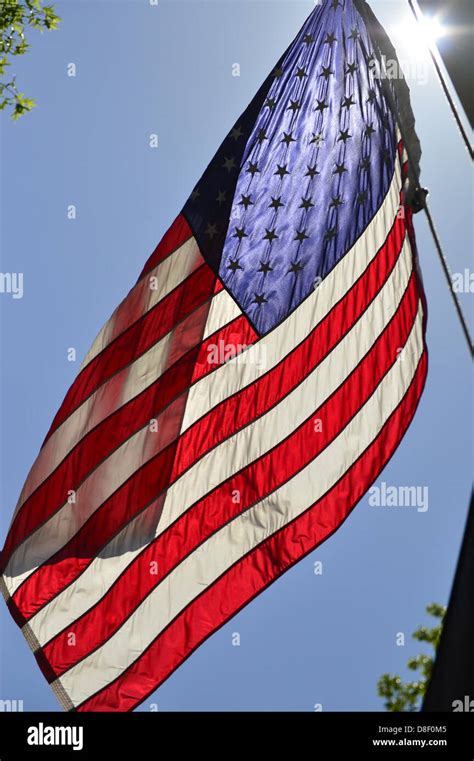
(244, 395)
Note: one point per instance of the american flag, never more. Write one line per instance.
(244, 395)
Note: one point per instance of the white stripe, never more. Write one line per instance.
(274, 346)
(230, 456)
(222, 311)
(210, 560)
(167, 275)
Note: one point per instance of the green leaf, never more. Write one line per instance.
(407, 696)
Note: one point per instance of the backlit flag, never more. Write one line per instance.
(244, 395)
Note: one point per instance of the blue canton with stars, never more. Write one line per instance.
(303, 171)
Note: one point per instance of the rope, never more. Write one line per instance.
(447, 272)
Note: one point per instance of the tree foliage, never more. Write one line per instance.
(408, 696)
(17, 17)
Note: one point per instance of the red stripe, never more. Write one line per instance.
(102, 440)
(217, 508)
(178, 233)
(221, 422)
(256, 570)
(239, 332)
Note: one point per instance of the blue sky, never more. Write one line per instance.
(167, 70)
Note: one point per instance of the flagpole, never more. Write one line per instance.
(453, 671)
(419, 16)
(422, 194)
